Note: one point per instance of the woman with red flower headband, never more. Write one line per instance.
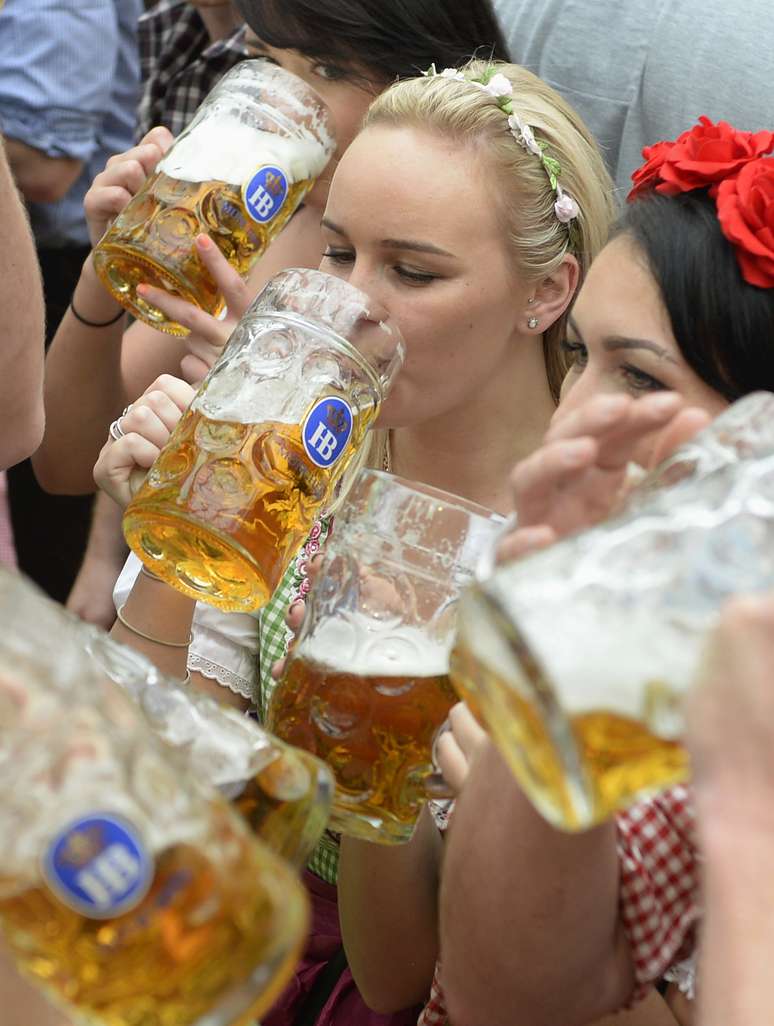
(678, 309)
(732, 167)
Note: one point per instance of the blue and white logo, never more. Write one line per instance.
(327, 430)
(265, 193)
(99, 866)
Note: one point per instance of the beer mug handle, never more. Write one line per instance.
(488, 558)
(436, 787)
(435, 784)
(137, 480)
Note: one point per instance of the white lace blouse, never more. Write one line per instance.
(224, 646)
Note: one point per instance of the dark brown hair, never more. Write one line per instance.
(381, 39)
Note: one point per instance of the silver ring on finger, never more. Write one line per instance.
(115, 429)
(126, 410)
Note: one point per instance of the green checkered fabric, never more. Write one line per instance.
(274, 636)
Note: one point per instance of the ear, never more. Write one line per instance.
(551, 297)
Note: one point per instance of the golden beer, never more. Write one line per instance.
(214, 940)
(284, 794)
(579, 657)
(287, 804)
(268, 438)
(616, 757)
(128, 890)
(226, 506)
(152, 242)
(367, 688)
(372, 718)
(237, 173)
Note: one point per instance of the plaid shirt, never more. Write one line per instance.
(274, 636)
(659, 892)
(180, 64)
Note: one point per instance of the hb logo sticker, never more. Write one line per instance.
(98, 866)
(327, 430)
(265, 194)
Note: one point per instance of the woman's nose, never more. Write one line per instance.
(362, 276)
(576, 390)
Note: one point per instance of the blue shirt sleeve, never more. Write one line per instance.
(57, 63)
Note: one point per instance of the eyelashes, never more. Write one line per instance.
(345, 257)
(576, 352)
(635, 380)
(339, 256)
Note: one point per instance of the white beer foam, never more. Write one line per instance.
(595, 662)
(227, 150)
(357, 644)
(241, 399)
(607, 661)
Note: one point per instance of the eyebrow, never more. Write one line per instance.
(617, 342)
(410, 244)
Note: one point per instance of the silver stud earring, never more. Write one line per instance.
(530, 301)
(532, 322)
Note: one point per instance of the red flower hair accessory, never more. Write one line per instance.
(746, 213)
(699, 158)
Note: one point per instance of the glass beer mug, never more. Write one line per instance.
(283, 793)
(578, 657)
(132, 895)
(367, 684)
(237, 173)
(265, 442)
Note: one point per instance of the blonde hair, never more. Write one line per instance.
(537, 238)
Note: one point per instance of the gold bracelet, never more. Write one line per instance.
(146, 573)
(149, 637)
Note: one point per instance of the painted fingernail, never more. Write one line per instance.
(204, 242)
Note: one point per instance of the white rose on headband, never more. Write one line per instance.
(565, 208)
(498, 86)
(524, 134)
(452, 73)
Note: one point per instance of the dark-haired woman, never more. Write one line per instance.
(349, 51)
(679, 303)
(375, 42)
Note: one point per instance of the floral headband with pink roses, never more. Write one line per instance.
(500, 89)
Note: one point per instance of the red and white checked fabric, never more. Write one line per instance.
(434, 1012)
(659, 891)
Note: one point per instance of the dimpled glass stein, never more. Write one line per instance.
(283, 793)
(578, 657)
(237, 173)
(133, 895)
(367, 684)
(266, 441)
